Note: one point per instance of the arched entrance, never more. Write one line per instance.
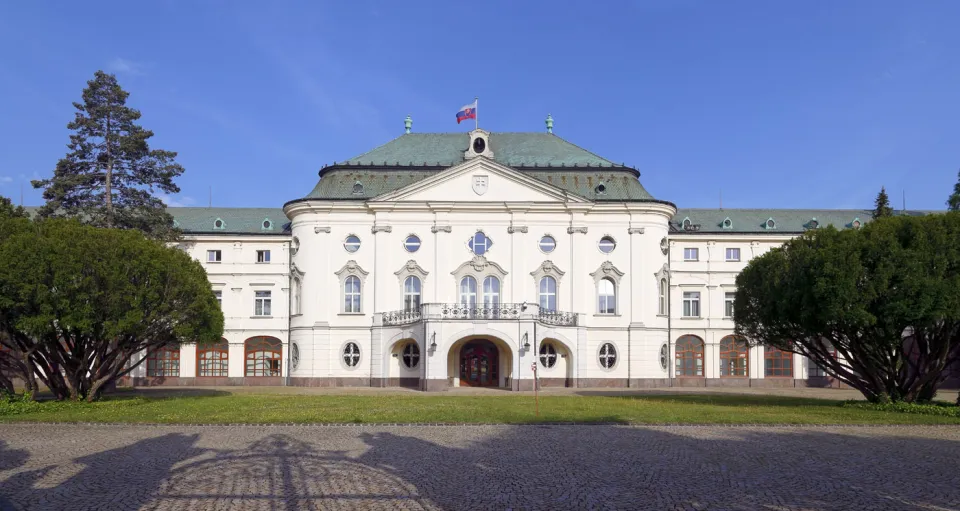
(479, 364)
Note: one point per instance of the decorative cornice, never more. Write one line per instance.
(318, 229)
(572, 230)
(635, 230)
(441, 228)
(351, 268)
(607, 269)
(411, 268)
(381, 228)
(478, 264)
(546, 268)
(295, 271)
(520, 228)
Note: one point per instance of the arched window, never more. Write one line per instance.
(411, 294)
(164, 362)
(663, 297)
(606, 297)
(351, 294)
(213, 360)
(548, 355)
(296, 295)
(548, 293)
(491, 291)
(689, 356)
(777, 363)
(262, 356)
(734, 356)
(410, 355)
(468, 291)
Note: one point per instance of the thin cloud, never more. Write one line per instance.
(176, 202)
(5, 179)
(124, 66)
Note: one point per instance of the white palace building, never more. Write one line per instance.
(482, 259)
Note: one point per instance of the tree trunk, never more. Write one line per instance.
(108, 184)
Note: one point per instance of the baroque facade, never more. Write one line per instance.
(482, 259)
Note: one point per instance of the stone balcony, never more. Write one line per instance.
(463, 312)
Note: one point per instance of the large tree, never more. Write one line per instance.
(881, 205)
(86, 305)
(8, 209)
(953, 202)
(878, 308)
(109, 176)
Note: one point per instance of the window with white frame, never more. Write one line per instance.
(412, 243)
(491, 291)
(733, 254)
(607, 356)
(479, 243)
(663, 297)
(411, 294)
(263, 256)
(548, 293)
(213, 256)
(351, 354)
(691, 304)
(297, 286)
(219, 294)
(548, 355)
(262, 303)
(468, 291)
(691, 254)
(728, 299)
(351, 294)
(606, 297)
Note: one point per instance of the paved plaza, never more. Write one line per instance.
(80, 467)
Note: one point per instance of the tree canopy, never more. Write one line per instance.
(953, 202)
(879, 307)
(109, 176)
(83, 306)
(881, 205)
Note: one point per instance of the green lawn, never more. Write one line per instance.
(285, 408)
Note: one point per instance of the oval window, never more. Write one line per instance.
(352, 243)
(412, 243)
(607, 244)
(547, 244)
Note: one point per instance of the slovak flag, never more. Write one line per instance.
(467, 112)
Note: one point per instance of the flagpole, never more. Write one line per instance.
(476, 113)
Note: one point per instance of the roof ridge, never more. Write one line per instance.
(357, 157)
(582, 149)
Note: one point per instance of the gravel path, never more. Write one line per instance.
(80, 467)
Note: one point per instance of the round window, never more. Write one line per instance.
(412, 243)
(547, 244)
(607, 244)
(351, 354)
(267, 224)
(548, 355)
(411, 355)
(294, 356)
(608, 356)
(479, 243)
(295, 245)
(663, 357)
(352, 243)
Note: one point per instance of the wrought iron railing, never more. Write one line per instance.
(492, 312)
(558, 318)
(402, 317)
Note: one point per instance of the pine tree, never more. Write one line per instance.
(953, 203)
(882, 205)
(108, 177)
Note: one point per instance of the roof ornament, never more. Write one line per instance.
(407, 124)
(549, 123)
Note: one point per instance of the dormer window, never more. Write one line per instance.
(813, 224)
(770, 224)
(358, 188)
(856, 223)
(685, 224)
(266, 225)
(479, 145)
(600, 189)
(727, 223)
(219, 225)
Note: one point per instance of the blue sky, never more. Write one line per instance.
(778, 104)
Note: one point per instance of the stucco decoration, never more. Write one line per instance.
(635, 230)
(381, 228)
(607, 270)
(479, 267)
(663, 273)
(411, 268)
(352, 268)
(441, 228)
(517, 228)
(573, 230)
(546, 268)
(664, 245)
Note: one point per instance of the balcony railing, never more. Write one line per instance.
(492, 312)
(557, 318)
(402, 317)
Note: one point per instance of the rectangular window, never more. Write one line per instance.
(261, 305)
(219, 295)
(728, 299)
(691, 304)
(213, 256)
(733, 254)
(263, 256)
(691, 254)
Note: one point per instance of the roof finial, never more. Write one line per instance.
(407, 123)
(549, 123)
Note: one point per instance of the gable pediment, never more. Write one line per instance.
(480, 180)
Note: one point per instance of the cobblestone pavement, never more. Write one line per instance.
(79, 467)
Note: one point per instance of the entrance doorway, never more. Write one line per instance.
(479, 363)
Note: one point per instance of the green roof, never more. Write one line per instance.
(235, 220)
(618, 184)
(510, 149)
(785, 221)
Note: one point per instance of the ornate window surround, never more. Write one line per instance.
(607, 270)
(351, 268)
(663, 277)
(479, 268)
(296, 292)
